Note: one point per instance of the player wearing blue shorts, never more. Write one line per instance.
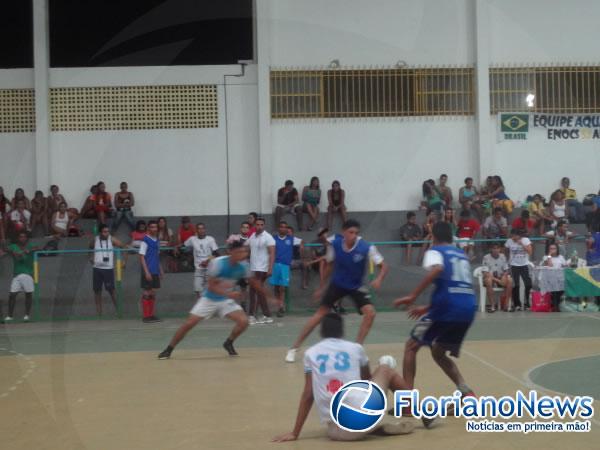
(348, 258)
(445, 322)
(219, 297)
(284, 253)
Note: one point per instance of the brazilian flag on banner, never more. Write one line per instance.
(582, 282)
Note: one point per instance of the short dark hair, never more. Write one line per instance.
(289, 183)
(253, 214)
(351, 223)
(262, 219)
(560, 223)
(410, 215)
(443, 175)
(332, 326)
(467, 179)
(465, 213)
(200, 223)
(245, 223)
(236, 244)
(283, 222)
(290, 228)
(102, 227)
(442, 232)
(525, 214)
(517, 231)
(498, 210)
(152, 222)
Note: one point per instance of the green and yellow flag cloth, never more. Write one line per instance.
(582, 282)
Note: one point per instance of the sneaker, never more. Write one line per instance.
(388, 360)
(165, 354)
(266, 319)
(291, 355)
(281, 312)
(228, 346)
(252, 320)
(151, 319)
(518, 308)
(8, 319)
(26, 319)
(396, 428)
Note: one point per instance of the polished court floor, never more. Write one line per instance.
(98, 384)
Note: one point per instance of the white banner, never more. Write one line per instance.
(548, 127)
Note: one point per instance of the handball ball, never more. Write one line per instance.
(388, 360)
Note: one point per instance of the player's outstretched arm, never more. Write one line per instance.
(429, 278)
(383, 271)
(306, 401)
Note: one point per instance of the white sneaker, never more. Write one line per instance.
(25, 318)
(266, 319)
(291, 355)
(388, 360)
(252, 320)
(8, 319)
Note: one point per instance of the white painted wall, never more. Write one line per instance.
(380, 164)
(17, 150)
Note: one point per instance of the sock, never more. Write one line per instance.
(463, 388)
(146, 305)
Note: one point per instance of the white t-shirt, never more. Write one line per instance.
(99, 257)
(332, 363)
(556, 261)
(259, 251)
(497, 266)
(517, 254)
(203, 248)
(15, 216)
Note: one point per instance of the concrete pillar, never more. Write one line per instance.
(41, 69)
(485, 127)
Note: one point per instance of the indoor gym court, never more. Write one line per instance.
(98, 384)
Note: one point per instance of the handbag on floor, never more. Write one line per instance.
(541, 302)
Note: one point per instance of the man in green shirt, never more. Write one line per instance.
(22, 254)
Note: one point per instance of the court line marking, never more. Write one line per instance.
(524, 382)
(21, 380)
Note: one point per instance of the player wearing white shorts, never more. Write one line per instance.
(329, 365)
(204, 247)
(219, 297)
(22, 254)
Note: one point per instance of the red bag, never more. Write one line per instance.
(541, 302)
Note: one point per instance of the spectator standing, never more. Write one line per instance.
(39, 212)
(262, 258)
(205, 248)
(298, 257)
(555, 260)
(519, 250)
(22, 254)
(496, 226)
(576, 211)
(311, 198)
(103, 263)
(288, 202)
(466, 232)
(102, 203)
(336, 198)
(165, 234)
(251, 221)
(242, 236)
(410, 231)
(496, 273)
(151, 271)
(124, 202)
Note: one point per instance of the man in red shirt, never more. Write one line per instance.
(467, 229)
(186, 230)
(524, 223)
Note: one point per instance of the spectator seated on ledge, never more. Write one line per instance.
(525, 223)
(62, 222)
(102, 203)
(467, 231)
(558, 209)
(469, 197)
(499, 197)
(537, 212)
(444, 190)
(336, 198)
(410, 231)
(88, 210)
(432, 199)
(185, 231)
(311, 197)
(576, 211)
(496, 274)
(288, 201)
(560, 236)
(20, 220)
(39, 212)
(496, 226)
(124, 202)
(20, 195)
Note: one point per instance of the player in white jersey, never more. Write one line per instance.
(329, 365)
(205, 248)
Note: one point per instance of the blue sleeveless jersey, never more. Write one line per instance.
(349, 267)
(593, 254)
(222, 268)
(453, 299)
(152, 255)
(284, 249)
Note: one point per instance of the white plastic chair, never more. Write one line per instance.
(478, 273)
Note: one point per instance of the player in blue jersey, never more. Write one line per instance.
(348, 258)
(446, 320)
(219, 297)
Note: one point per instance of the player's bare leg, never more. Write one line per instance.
(190, 323)
(309, 326)
(241, 324)
(409, 362)
(368, 312)
(450, 369)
